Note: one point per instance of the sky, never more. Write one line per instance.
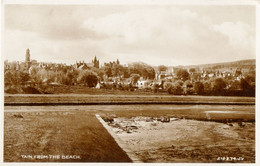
(168, 35)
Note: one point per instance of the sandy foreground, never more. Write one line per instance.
(183, 140)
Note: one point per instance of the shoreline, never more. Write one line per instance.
(127, 103)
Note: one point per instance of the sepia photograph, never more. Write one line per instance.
(129, 83)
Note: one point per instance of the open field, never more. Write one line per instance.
(78, 99)
(219, 113)
(74, 130)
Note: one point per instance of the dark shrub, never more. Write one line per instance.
(31, 90)
(11, 91)
(199, 88)
(168, 87)
(177, 89)
(155, 88)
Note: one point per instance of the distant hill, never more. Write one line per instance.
(241, 64)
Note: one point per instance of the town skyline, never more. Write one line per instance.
(114, 60)
(169, 35)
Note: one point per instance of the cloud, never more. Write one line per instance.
(43, 50)
(239, 33)
(169, 35)
(172, 35)
(52, 22)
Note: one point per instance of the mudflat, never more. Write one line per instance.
(186, 140)
(199, 133)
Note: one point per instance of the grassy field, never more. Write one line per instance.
(58, 133)
(121, 99)
(218, 113)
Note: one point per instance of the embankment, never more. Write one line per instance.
(78, 99)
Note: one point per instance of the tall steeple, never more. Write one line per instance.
(27, 55)
(95, 62)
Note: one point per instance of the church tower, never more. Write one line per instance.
(27, 55)
(27, 59)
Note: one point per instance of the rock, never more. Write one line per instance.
(154, 124)
(165, 119)
(114, 116)
(149, 119)
(134, 127)
(230, 124)
(226, 126)
(18, 116)
(108, 119)
(241, 124)
(173, 119)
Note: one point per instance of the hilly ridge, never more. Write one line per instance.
(242, 64)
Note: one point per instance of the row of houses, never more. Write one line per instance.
(237, 74)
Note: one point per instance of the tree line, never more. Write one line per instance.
(113, 75)
(69, 75)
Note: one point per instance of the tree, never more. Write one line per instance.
(188, 87)
(117, 70)
(207, 85)
(199, 88)
(155, 87)
(248, 90)
(144, 70)
(183, 74)
(234, 85)
(22, 77)
(238, 73)
(88, 78)
(219, 85)
(173, 88)
(71, 78)
(162, 68)
(168, 86)
(244, 85)
(107, 68)
(195, 77)
(192, 70)
(8, 78)
(126, 72)
(187, 83)
(53, 76)
(250, 78)
(177, 89)
(16, 77)
(135, 78)
(38, 75)
(135, 68)
(101, 74)
(180, 82)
